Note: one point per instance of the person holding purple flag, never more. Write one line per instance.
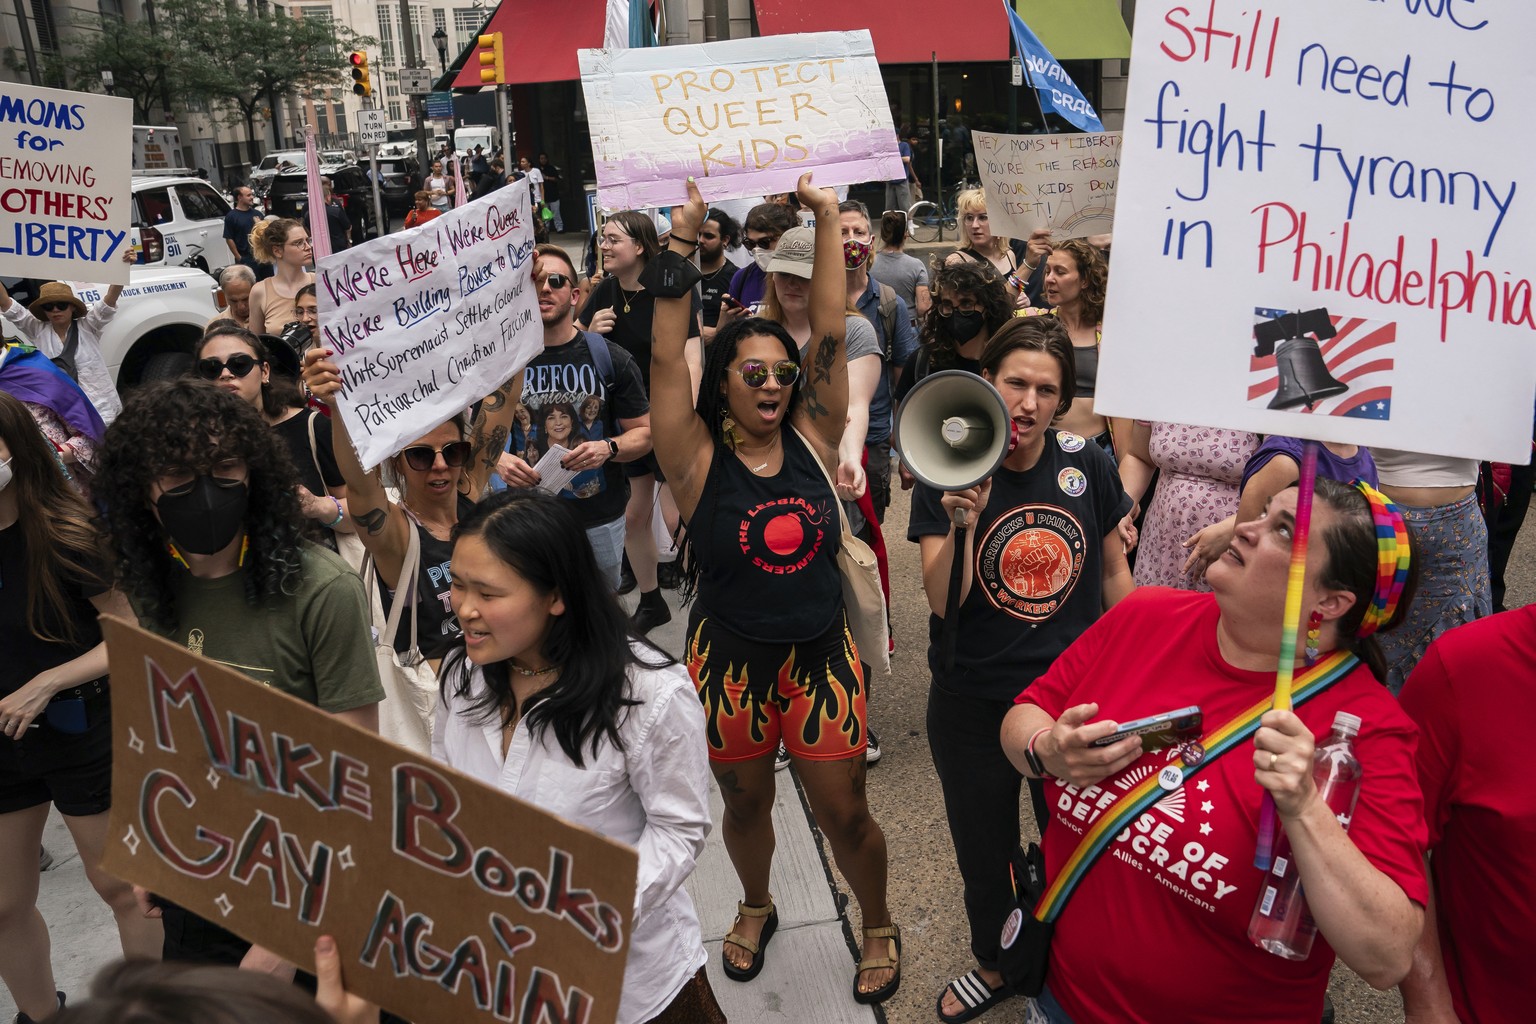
(69, 422)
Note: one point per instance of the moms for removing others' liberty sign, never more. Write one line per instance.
(745, 117)
(65, 198)
(1326, 223)
(449, 900)
(429, 320)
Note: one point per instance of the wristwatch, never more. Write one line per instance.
(613, 448)
(1036, 765)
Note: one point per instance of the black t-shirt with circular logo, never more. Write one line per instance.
(767, 547)
(1039, 566)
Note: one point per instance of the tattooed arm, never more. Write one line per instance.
(381, 526)
(488, 433)
(823, 409)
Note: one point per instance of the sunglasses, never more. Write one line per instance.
(53, 307)
(754, 372)
(421, 457)
(556, 281)
(754, 243)
(238, 365)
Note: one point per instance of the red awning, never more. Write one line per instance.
(905, 31)
(539, 43)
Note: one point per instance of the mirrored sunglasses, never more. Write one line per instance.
(754, 373)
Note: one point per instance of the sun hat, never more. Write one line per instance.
(55, 291)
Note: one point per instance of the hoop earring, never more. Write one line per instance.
(1314, 630)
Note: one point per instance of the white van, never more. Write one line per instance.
(178, 221)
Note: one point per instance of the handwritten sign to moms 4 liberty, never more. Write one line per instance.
(64, 184)
(1338, 196)
(427, 321)
(449, 900)
(745, 117)
(1062, 182)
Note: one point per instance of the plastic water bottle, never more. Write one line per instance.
(1281, 922)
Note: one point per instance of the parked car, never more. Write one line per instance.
(160, 318)
(289, 195)
(263, 173)
(398, 182)
(179, 221)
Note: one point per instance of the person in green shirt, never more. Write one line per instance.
(212, 550)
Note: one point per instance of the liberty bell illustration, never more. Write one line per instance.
(1292, 339)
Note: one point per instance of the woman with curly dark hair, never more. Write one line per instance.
(55, 713)
(769, 646)
(604, 729)
(210, 543)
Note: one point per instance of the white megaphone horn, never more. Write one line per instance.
(953, 430)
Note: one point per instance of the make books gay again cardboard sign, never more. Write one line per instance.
(449, 900)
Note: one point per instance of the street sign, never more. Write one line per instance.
(415, 81)
(370, 128)
(439, 106)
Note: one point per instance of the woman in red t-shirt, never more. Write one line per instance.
(1156, 929)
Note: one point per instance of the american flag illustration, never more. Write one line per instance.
(1359, 355)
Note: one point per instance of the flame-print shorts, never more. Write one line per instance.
(808, 694)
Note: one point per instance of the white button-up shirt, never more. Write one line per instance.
(652, 795)
(95, 379)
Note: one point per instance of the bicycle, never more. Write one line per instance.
(927, 221)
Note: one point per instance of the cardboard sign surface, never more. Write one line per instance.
(1329, 204)
(1062, 182)
(65, 173)
(449, 900)
(744, 117)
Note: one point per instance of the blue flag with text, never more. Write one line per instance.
(1045, 74)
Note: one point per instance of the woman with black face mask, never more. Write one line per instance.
(212, 551)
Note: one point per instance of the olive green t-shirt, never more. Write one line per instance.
(316, 645)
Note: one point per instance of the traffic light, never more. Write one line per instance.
(493, 68)
(362, 84)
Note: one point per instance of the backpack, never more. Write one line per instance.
(888, 304)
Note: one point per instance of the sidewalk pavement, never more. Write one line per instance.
(808, 977)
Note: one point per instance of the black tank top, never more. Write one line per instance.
(1085, 362)
(437, 628)
(767, 547)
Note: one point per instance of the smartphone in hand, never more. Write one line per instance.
(1158, 732)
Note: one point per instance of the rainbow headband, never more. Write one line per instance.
(1392, 558)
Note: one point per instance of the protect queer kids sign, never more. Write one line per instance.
(65, 184)
(449, 900)
(427, 321)
(744, 117)
(1062, 182)
(1326, 223)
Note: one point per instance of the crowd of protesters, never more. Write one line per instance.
(227, 511)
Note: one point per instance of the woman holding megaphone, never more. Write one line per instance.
(769, 647)
(1042, 559)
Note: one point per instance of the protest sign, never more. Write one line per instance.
(745, 117)
(429, 320)
(1062, 182)
(449, 900)
(1329, 203)
(64, 184)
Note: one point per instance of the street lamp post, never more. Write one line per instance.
(440, 38)
(107, 82)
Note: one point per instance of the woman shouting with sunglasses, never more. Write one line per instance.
(440, 476)
(769, 646)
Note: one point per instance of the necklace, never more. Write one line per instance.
(768, 451)
(628, 297)
(548, 669)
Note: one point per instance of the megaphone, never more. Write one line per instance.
(953, 430)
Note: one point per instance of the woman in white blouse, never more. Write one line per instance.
(554, 701)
